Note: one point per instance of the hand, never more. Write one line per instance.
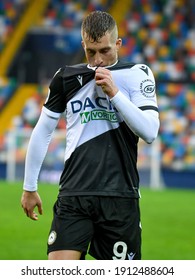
(29, 201)
(104, 79)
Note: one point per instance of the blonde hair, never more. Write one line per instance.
(97, 24)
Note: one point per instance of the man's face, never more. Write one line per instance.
(104, 52)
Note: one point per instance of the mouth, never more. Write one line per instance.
(97, 66)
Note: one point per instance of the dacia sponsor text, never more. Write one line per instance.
(98, 109)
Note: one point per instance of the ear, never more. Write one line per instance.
(118, 43)
(83, 44)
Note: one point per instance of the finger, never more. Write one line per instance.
(40, 209)
(101, 74)
(98, 66)
(33, 216)
(25, 211)
(98, 77)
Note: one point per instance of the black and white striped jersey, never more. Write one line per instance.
(101, 150)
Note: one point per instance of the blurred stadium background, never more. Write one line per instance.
(38, 37)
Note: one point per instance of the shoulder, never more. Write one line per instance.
(137, 71)
(143, 69)
(140, 75)
(66, 72)
(144, 79)
(57, 79)
(70, 70)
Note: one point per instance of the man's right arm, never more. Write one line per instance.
(37, 149)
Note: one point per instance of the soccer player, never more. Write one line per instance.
(108, 105)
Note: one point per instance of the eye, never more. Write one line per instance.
(91, 52)
(104, 51)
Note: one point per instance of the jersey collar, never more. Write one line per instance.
(95, 67)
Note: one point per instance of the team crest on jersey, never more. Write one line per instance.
(147, 88)
(52, 237)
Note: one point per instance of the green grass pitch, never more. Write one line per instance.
(168, 223)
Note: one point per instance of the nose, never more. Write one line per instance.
(98, 60)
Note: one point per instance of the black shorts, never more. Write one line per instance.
(109, 227)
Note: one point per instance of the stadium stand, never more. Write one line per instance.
(7, 87)
(10, 12)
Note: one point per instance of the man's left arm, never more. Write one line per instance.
(144, 123)
(142, 120)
